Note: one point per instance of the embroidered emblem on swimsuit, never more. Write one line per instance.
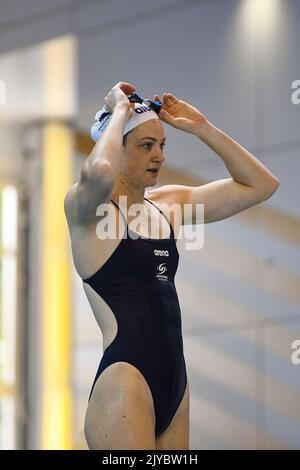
(161, 268)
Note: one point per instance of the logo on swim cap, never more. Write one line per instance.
(142, 109)
(142, 113)
(103, 123)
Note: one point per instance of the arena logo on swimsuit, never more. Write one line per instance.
(161, 252)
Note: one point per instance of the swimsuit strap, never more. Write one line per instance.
(171, 228)
(125, 221)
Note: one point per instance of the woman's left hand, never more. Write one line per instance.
(180, 114)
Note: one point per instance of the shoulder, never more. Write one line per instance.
(167, 194)
(169, 198)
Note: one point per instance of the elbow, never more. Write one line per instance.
(275, 184)
(271, 188)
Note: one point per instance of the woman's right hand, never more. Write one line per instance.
(117, 96)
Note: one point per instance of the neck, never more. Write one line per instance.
(135, 195)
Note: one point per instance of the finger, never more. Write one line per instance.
(167, 99)
(173, 98)
(126, 87)
(131, 108)
(165, 116)
(119, 84)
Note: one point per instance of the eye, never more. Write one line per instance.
(149, 145)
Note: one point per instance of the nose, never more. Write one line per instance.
(158, 155)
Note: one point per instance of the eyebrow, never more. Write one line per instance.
(152, 138)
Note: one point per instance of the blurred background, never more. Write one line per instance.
(238, 62)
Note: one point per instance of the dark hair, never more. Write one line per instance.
(125, 138)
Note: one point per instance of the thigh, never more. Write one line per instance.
(120, 414)
(176, 436)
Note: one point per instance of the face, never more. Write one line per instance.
(144, 152)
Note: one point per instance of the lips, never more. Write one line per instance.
(153, 170)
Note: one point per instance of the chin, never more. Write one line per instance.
(149, 185)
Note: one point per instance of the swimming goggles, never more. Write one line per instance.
(154, 105)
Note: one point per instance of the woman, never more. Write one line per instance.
(140, 395)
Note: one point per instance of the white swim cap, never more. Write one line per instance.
(141, 114)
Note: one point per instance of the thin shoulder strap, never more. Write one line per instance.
(123, 216)
(171, 228)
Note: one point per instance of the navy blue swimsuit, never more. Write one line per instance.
(137, 283)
